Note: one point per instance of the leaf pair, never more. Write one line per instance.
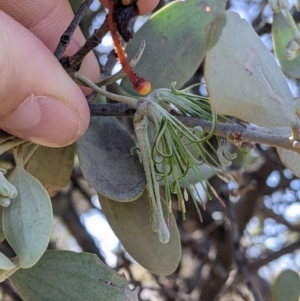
(66, 275)
(107, 164)
(257, 90)
(27, 222)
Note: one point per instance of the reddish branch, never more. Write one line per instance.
(141, 85)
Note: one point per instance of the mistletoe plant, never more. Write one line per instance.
(163, 143)
(170, 147)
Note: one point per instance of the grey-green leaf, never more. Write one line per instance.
(256, 90)
(65, 275)
(52, 167)
(9, 267)
(290, 159)
(131, 224)
(5, 263)
(282, 34)
(27, 222)
(2, 237)
(106, 162)
(286, 287)
(176, 41)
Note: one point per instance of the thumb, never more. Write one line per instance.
(39, 102)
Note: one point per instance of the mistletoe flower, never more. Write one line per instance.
(166, 147)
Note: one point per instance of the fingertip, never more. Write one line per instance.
(145, 6)
(47, 21)
(47, 121)
(39, 101)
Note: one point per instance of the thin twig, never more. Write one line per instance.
(226, 130)
(106, 70)
(279, 218)
(72, 63)
(255, 265)
(228, 284)
(200, 251)
(67, 35)
(115, 109)
(126, 100)
(239, 256)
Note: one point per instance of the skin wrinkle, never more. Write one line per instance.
(45, 26)
(18, 9)
(7, 66)
(20, 81)
(47, 21)
(34, 14)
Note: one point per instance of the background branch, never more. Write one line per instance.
(254, 266)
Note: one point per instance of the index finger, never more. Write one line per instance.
(48, 20)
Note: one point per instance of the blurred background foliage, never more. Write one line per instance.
(267, 212)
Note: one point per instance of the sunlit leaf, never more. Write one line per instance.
(297, 106)
(5, 263)
(243, 78)
(131, 223)
(27, 222)
(8, 268)
(176, 41)
(286, 287)
(290, 159)
(282, 35)
(52, 167)
(106, 162)
(65, 275)
(2, 237)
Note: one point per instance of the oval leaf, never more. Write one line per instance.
(12, 267)
(66, 275)
(256, 90)
(131, 224)
(176, 41)
(290, 159)
(52, 167)
(106, 162)
(5, 263)
(27, 222)
(282, 34)
(2, 237)
(286, 286)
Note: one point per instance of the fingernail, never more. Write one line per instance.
(44, 120)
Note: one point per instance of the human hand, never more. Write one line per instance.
(39, 101)
(145, 6)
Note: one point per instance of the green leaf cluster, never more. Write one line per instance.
(178, 38)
